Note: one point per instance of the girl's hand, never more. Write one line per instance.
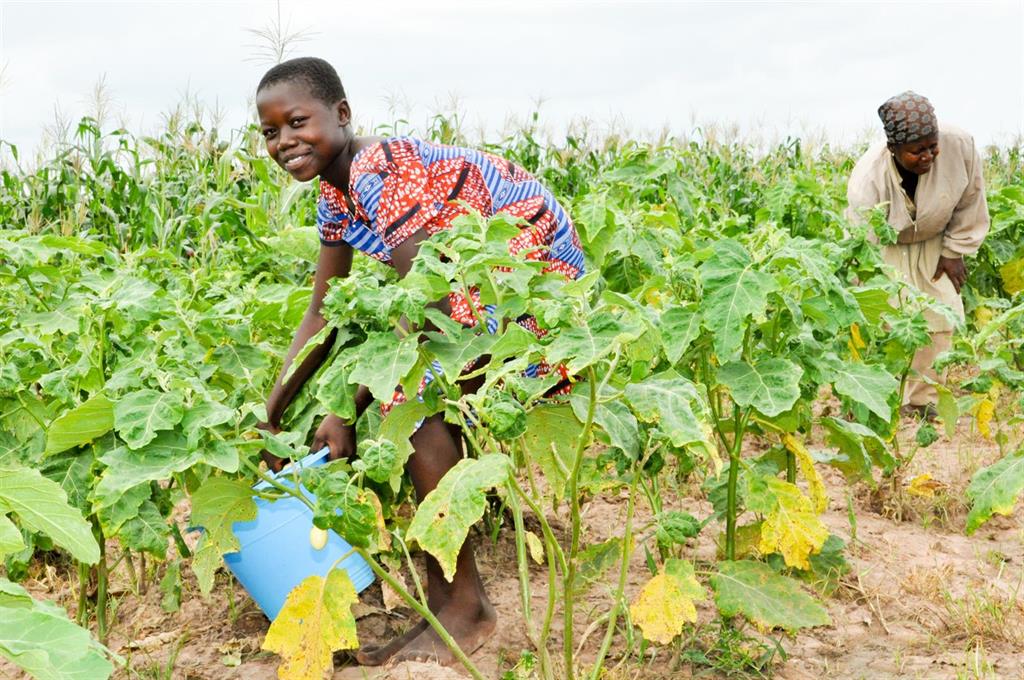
(272, 461)
(954, 268)
(337, 436)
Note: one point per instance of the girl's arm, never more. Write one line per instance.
(334, 260)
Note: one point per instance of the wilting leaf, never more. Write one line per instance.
(767, 599)
(994, 490)
(316, 620)
(443, 519)
(983, 412)
(663, 606)
(792, 528)
(552, 434)
(815, 484)
(923, 485)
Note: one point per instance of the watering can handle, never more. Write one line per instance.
(311, 460)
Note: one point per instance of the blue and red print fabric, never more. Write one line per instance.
(401, 185)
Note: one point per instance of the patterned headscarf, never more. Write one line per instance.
(907, 118)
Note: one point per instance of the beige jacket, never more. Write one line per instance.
(949, 216)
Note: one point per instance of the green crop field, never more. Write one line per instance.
(738, 353)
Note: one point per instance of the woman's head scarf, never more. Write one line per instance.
(907, 118)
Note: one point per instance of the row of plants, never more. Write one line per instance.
(150, 287)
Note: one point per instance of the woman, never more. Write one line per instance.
(936, 204)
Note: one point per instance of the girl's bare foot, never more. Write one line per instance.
(469, 624)
(378, 656)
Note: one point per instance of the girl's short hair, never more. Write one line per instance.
(317, 74)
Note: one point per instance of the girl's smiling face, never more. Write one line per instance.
(304, 135)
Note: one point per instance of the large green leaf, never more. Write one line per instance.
(335, 392)
(455, 352)
(382, 361)
(165, 455)
(80, 425)
(859, 448)
(10, 537)
(443, 519)
(140, 415)
(397, 427)
(39, 638)
(733, 291)
(147, 531)
(995, 490)
(583, 345)
(769, 600)
(216, 506)
(771, 386)
(868, 385)
(112, 517)
(552, 435)
(667, 400)
(41, 505)
(679, 326)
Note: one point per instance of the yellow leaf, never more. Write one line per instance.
(792, 528)
(814, 482)
(982, 315)
(748, 536)
(1012, 274)
(856, 342)
(535, 547)
(855, 338)
(392, 599)
(984, 412)
(315, 621)
(924, 485)
(661, 608)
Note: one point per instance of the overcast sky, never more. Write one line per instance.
(771, 67)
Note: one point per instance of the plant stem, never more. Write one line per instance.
(739, 424)
(569, 580)
(524, 569)
(101, 590)
(627, 545)
(82, 615)
(296, 492)
(425, 612)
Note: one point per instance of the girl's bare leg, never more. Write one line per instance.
(462, 605)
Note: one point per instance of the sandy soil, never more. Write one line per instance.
(922, 600)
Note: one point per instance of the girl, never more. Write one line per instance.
(383, 197)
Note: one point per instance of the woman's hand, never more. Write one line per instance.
(337, 436)
(272, 461)
(954, 268)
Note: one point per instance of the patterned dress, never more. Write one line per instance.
(401, 185)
